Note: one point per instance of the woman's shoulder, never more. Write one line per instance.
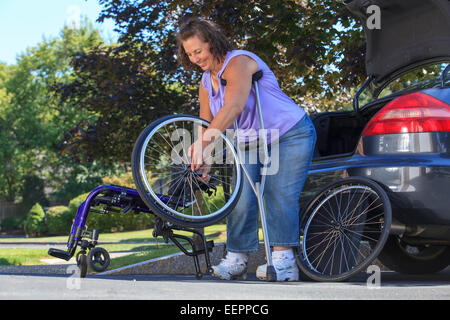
(245, 54)
(240, 64)
(241, 52)
(240, 57)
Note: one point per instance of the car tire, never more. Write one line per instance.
(414, 259)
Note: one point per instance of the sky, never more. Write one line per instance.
(23, 23)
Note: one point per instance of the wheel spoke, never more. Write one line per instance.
(355, 207)
(325, 250)
(315, 246)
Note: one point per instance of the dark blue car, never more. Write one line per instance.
(397, 137)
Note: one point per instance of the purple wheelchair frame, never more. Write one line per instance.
(113, 198)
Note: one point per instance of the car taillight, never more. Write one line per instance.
(414, 112)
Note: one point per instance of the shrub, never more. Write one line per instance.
(59, 220)
(125, 180)
(113, 221)
(33, 192)
(76, 202)
(34, 224)
(117, 221)
(212, 203)
(12, 223)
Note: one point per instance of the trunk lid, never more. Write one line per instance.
(410, 31)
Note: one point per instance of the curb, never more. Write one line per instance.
(179, 263)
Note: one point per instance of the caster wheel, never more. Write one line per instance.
(82, 264)
(198, 276)
(99, 259)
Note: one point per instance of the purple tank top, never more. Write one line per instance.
(278, 110)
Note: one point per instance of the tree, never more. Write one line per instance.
(120, 84)
(314, 47)
(32, 121)
(307, 43)
(13, 156)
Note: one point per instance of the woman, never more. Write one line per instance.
(202, 47)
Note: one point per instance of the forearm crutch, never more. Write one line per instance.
(258, 188)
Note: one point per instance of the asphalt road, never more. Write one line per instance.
(391, 286)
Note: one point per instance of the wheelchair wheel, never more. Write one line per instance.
(344, 229)
(82, 263)
(166, 183)
(98, 259)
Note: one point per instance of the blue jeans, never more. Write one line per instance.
(281, 194)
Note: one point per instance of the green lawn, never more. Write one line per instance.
(22, 257)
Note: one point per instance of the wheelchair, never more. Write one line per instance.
(343, 228)
(166, 187)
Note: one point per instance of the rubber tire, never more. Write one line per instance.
(396, 259)
(305, 273)
(90, 258)
(151, 202)
(82, 265)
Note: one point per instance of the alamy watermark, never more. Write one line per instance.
(374, 280)
(374, 19)
(73, 282)
(251, 146)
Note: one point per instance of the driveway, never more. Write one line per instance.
(65, 285)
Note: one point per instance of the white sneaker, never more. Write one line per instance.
(285, 267)
(231, 268)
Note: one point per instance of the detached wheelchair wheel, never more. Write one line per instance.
(166, 183)
(344, 229)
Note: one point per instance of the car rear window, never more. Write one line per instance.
(423, 77)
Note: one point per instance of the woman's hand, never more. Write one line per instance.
(195, 151)
(198, 152)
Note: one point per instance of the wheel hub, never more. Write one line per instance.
(336, 225)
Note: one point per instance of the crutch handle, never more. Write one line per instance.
(255, 77)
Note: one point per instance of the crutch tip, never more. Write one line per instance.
(271, 274)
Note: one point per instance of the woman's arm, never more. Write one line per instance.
(205, 111)
(238, 75)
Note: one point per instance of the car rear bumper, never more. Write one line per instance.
(419, 195)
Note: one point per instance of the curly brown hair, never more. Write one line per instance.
(207, 32)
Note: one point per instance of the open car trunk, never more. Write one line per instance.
(410, 31)
(338, 133)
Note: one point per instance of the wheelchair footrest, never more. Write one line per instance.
(61, 254)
